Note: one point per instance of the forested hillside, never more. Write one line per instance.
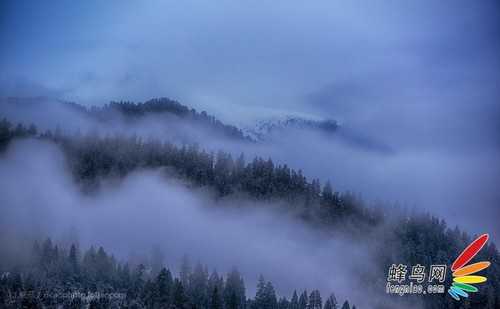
(398, 236)
(169, 112)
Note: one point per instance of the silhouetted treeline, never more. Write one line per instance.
(131, 110)
(66, 276)
(92, 157)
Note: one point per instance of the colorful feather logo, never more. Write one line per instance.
(463, 277)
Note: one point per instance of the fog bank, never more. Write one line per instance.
(148, 210)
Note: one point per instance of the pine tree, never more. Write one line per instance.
(331, 302)
(327, 194)
(179, 299)
(260, 295)
(283, 303)
(215, 299)
(271, 300)
(137, 281)
(124, 277)
(73, 260)
(198, 290)
(294, 302)
(303, 300)
(315, 300)
(47, 257)
(149, 294)
(163, 287)
(234, 290)
(103, 265)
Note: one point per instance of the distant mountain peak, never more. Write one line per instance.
(263, 128)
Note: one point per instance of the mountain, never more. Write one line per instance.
(265, 130)
(179, 118)
(395, 235)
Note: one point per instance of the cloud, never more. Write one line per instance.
(42, 200)
(252, 56)
(454, 181)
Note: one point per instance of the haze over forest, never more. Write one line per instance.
(313, 144)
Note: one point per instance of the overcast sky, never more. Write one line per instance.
(330, 56)
(422, 76)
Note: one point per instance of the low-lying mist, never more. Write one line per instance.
(458, 185)
(148, 210)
